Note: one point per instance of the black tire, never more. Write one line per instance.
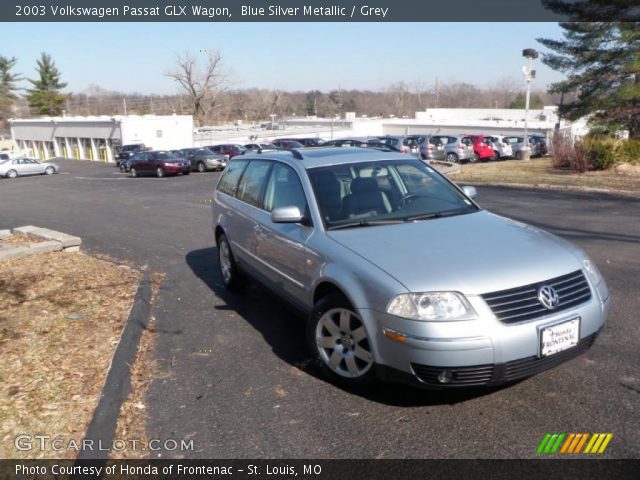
(202, 167)
(159, 172)
(496, 156)
(474, 158)
(11, 174)
(347, 344)
(519, 155)
(452, 157)
(232, 278)
(134, 172)
(186, 173)
(49, 171)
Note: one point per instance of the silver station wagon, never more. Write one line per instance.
(402, 276)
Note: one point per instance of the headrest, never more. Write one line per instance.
(364, 185)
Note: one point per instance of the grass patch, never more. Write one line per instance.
(539, 172)
(61, 318)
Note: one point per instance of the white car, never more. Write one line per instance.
(17, 167)
(501, 148)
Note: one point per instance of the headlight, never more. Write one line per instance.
(432, 306)
(592, 271)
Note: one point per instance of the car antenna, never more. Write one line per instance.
(296, 154)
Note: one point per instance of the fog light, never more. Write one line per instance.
(445, 376)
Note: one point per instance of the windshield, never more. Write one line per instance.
(383, 192)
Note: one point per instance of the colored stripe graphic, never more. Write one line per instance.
(573, 443)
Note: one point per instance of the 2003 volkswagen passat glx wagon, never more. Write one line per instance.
(401, 274)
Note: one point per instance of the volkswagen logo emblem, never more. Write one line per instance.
(548, 297)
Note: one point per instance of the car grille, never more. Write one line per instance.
(479, 375)
(520, 304)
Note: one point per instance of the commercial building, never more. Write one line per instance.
(96, 138)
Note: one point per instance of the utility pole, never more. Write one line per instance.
(124, 103)
(529, 73)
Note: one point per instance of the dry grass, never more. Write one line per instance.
(539, 172)
(53, 367)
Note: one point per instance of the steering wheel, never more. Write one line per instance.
(408, 198)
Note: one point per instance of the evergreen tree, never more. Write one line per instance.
(45, 97)
(535, 102)
(7, 86)
(601, 61)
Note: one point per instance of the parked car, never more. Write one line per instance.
(540, 145)
(127, 151)
(482, 150)
(258, 146)
(354, 238)
(287, 144)
(429, 147)
(229, 149)
(203, 159)
(501, 149)
(159, 163)
(18, 167)
(457, 148)
(347, 142)
(306, 141)
(517, 144)
(403, 144)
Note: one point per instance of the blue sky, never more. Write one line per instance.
(131, 57)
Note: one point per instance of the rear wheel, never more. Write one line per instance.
(12, 174)
(201, 167)
(159, 172)
(339, 340)
(519, 155)
(474, 158)
(452, 157)
(496, 155)
(49, 171)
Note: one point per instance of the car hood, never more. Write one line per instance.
(473, 254)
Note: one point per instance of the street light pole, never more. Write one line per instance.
(529, 74)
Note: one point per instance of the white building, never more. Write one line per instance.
(94, 138)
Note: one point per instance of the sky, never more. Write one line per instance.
(133, 57)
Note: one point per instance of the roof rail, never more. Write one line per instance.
(296, 154)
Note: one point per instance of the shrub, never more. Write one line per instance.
(600, 152)
(629, 151)
(566, 155)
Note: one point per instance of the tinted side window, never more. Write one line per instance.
(252, 182)
(230, 177)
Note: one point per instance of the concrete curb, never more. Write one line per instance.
(117, 385)
(545, 186)
(30, 249)
(68, 242)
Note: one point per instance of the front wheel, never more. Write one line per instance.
(49, 171)
(159, 172)
(134, 172)
(231, 276)
(340, 342)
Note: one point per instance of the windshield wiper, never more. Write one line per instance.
(445, 213)
(367, 223)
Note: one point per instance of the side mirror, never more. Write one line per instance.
(470, 191)
(286, 215)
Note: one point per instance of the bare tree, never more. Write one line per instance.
(204, 85)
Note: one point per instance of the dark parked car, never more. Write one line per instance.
(158, 163)
(307, 141)
(229, 149)
(203, 159)
(258, 146)
(125, 152)
(346, 142)
(287, 144)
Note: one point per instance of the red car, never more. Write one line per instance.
(230, 149)
(482, 150)
(159, 163)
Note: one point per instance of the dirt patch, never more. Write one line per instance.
(61, 318)
(539, 172)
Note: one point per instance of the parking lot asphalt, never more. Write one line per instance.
(233, 373)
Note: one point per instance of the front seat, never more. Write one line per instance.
(365, 198)
(329, 194)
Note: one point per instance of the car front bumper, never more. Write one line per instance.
(481, 352)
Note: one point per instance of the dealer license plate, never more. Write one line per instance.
(559, 337)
